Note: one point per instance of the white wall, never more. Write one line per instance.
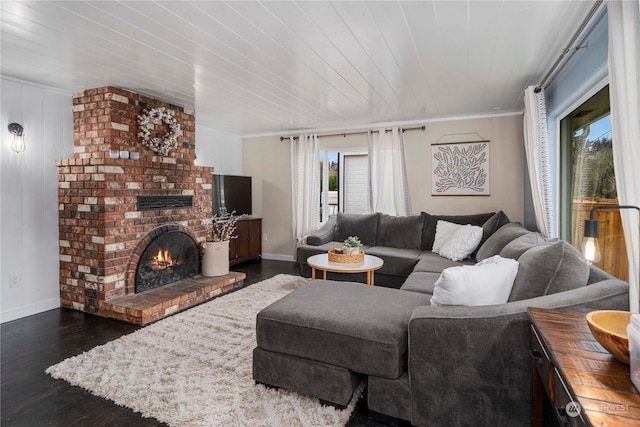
(506, 166)
(29, 197)
(28, 183)
(267, 160)
(219, 149)
(29, 191)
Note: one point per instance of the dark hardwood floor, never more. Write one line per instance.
(30, 397)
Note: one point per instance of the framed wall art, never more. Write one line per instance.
(460, 169)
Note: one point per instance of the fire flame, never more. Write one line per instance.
(163, 259)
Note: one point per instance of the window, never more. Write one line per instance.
(588, 180)
(345, 175)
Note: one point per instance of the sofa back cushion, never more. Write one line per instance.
(491, 226)
(499, 240)
(363, 226)
(548, 269)
(430, 222)
(515, 248)
(399, 231)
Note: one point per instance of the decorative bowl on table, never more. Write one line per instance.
(609, 327)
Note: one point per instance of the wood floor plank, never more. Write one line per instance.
(30, 397)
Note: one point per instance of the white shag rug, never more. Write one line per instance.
(195, 368)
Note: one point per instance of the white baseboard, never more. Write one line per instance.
(278, 257)
(29, 310)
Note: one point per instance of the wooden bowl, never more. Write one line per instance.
(609, 327)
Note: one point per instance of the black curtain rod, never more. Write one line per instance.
(569, 48)
(285, 138)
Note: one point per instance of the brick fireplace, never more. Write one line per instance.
(104, 232)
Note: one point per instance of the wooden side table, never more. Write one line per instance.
(585, 384)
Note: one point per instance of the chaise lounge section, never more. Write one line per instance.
(427, 364)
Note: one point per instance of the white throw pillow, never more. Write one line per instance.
(486, 283)
(444, 230)
(462, 243)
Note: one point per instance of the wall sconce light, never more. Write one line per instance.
(17, 131)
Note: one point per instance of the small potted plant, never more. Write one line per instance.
(215, 260)
(352, 245)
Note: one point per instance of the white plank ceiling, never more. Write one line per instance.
(250, 67)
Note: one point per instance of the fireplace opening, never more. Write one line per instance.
(170, 257)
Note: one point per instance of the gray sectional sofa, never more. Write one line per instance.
(430, 365)
(401, 242)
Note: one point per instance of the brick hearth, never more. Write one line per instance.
(101, 231)
(149, 306)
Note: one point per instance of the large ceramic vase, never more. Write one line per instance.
(215, 261)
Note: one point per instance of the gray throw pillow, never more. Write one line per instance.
(430, 222)
(399, 231)
(491, 226)
(548, 269)
(363, 226)
(499, 240)
(520, 245)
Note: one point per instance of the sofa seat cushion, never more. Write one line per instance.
(359, 327)
(399, 231)
(397, 261)
(435, 263)
(421, 281)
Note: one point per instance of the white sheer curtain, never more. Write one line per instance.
(388, 188)
(305, 186)
(537, 149)
(624, 76)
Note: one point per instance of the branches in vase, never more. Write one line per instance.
(222, 227)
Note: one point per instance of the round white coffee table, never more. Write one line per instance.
(321, 262)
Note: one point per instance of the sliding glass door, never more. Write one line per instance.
(588, 180)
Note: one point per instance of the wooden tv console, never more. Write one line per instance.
(248, 245)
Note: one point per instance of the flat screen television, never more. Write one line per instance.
(233, 193)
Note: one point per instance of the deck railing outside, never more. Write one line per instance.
(611, 239)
